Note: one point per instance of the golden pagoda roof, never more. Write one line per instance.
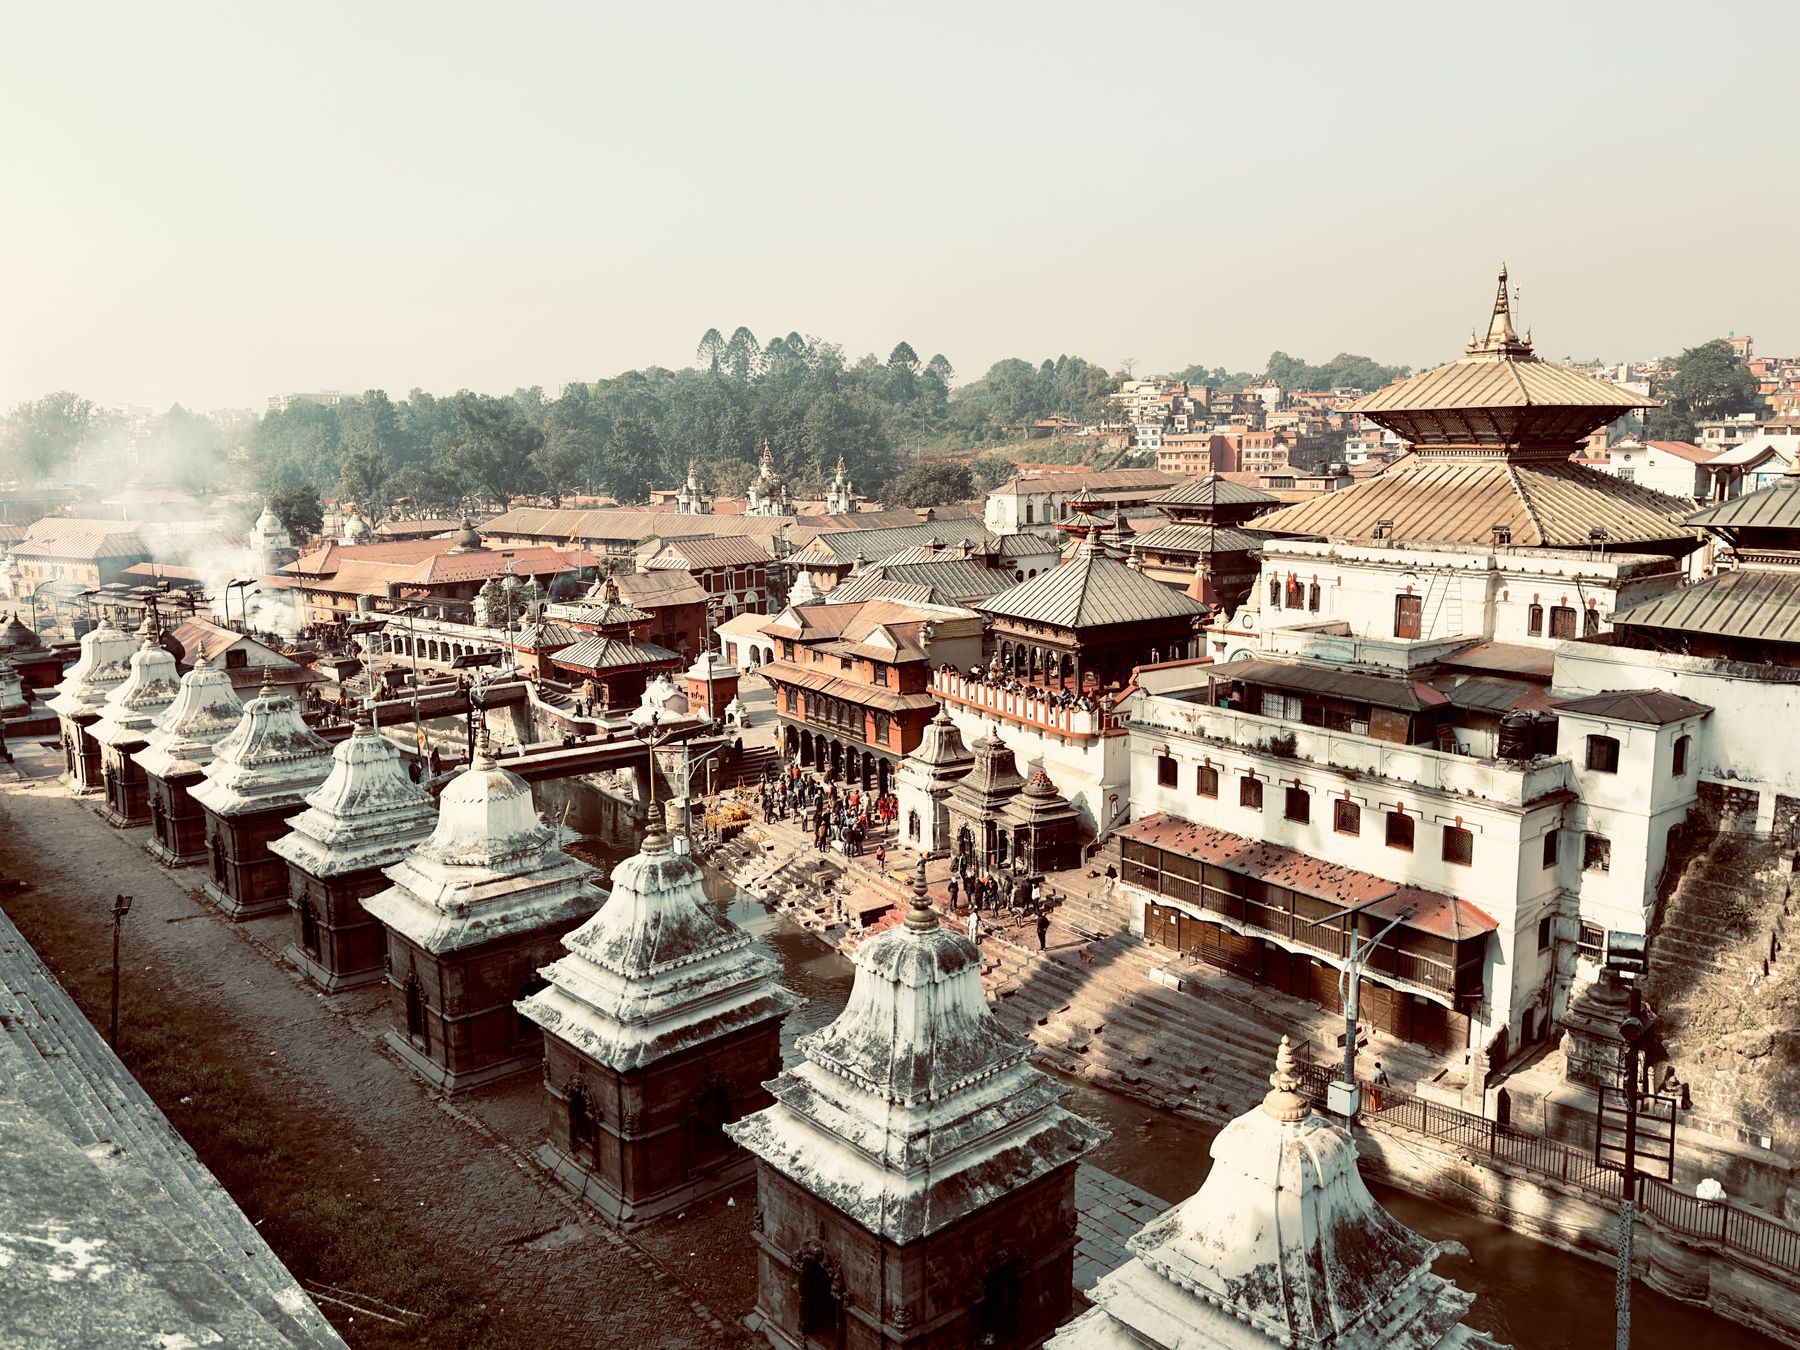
(1499, 397)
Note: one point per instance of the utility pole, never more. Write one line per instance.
(1345, 1096)
(121, 907)
(1631, 1031)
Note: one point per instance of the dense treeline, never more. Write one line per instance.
(891, 421)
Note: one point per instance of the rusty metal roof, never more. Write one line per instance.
(1646, 707)
(1460, 501)
(1748, 604)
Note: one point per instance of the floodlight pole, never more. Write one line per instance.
(1351, 978)
(121, 907)
(1631, 1031)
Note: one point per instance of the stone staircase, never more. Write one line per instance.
(1727, 993)
(54, 1061)
(748, 771)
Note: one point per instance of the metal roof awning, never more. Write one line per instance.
(1381, 690)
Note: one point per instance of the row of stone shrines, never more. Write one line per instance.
(915, 1175)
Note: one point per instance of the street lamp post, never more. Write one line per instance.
(1631, 1031)
(1355, 952)
(121, 907)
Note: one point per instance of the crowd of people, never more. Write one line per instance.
(837, 817)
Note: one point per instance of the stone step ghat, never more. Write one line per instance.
(69, 1076)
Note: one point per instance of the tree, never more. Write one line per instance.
(497, 447)
(45, 436)
(731, 477)
(299, 511)
(932, 483)
(742, 354)
(1708, 382)
(575, 434)
(710, 352)
(991, 471)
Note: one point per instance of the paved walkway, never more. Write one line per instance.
(1109, 1211)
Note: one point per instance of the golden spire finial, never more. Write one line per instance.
(656, 837)
(1283, 1102)
(484, 751)
(920, 916)
(1501, 339)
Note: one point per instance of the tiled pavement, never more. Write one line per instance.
(1108, 1211)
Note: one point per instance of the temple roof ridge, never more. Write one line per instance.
(103, 664)
(205, 709)
(269, 758)
(149, 687)
(365, 815)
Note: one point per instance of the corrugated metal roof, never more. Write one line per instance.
(1197, 539)
(1752, 604)
(1214, 491)
(606, 653)
(1774, 507)
(950, 581)
(1386, 691)
(1459, 501)
(1091, 591)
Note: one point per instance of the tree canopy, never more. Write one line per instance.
(1343, 371)
(1706, 382)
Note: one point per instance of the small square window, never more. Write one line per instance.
(1298, 807)
(1166, 769)
(1596, 853)
(1206, 781)
(1346, 816)
(1250, 792)
(1399, 830)
(1552, 847)
(1603, 754)
(1591, 942)
(1459, 845)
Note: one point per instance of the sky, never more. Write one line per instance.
(212, 203)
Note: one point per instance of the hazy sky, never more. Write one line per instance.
(213, 203)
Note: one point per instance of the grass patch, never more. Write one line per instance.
(279, 1167)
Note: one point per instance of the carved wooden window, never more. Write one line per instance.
(1459, 845)
(1250, 792)
(1399, 831)
(1346, 816)
(1206, 781)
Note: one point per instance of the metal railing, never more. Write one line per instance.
(1735, 1229)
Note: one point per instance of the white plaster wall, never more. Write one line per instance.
(1089, 774)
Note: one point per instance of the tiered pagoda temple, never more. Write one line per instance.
(124, 727)
(1204, 550)
(1490, 440)
(104, 663)
(1082, 626)
(661, 1026)
(257, 781)
(474, 912)
(364, 817)
(916, 1178)
(1281, 1246)
(177, 749)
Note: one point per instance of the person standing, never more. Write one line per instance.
(1043, 927)
(881, 859)
(975, 927)
(953, 890)
(1376, 1084)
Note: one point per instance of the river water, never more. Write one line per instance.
(1528, 1294)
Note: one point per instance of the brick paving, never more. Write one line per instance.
(1110, 1210)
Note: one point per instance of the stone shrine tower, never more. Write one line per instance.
(472, 915)
(177, 749)
(104, 663)
(362, 818)
(271, 547)
(767, 494)
(660, 1027)
(916, 1184)
(923, 784)
(1281, 1246)
(124, 727)
(690, 500)
(840, 500)
(712, 682)
(257, 782)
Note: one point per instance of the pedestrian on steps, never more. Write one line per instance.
(1043, 927)
(881, 860)
(953, 890)
(975, 926)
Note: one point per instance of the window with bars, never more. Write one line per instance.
(1346, 816)
(1250, 792)
(1459, 846)
(1399, 830)
(1206, 781)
